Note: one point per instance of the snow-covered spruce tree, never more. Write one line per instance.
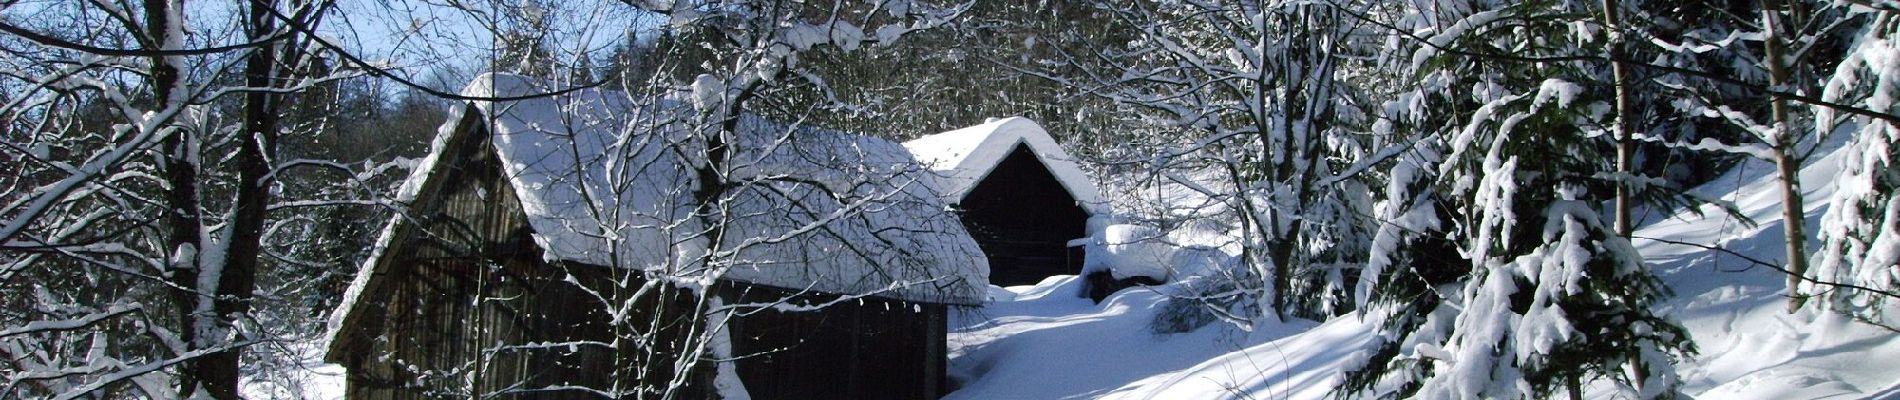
(1550, 296)
(1860, 234)
(1413, 269)
(1259, 115)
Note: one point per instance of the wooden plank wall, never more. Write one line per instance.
(861, 348)
(470, 310)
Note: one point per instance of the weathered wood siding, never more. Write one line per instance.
(469, 309)
(855, 349)
(865, 348)
(518, 334)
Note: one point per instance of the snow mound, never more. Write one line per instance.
(1128, 251)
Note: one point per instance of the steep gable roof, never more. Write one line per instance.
(610, 180)
(453, 134)
(817, 209)
(961, 158)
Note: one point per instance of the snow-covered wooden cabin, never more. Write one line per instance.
(534, 228)
(1022, 197)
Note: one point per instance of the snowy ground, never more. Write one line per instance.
(1751, 347)
(311, 379)
(1046, 343)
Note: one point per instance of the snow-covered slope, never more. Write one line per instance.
(1751, 347)
(1045, 343)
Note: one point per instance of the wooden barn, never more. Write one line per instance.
(560, 248)
(1022, 197)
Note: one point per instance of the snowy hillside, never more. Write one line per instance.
(1043, 342)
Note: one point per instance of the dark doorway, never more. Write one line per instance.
(1023, 219)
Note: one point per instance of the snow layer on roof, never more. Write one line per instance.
(608, 179)
(963, 157)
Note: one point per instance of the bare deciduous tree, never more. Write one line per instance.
(146, 137)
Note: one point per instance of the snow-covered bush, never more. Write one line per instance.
(1860, 234)
(1202, 288)
(1195, 303)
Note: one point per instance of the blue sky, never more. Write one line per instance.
(420, 37)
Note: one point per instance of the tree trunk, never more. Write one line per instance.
(1786, 164)
(206, 308)
(1625, 144)
(182, 210)
(219, 372)
(1574, 386)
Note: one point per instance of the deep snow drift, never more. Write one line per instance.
(1042, 341)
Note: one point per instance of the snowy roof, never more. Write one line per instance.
(963, 157)
(815, 209)
(609, 179)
